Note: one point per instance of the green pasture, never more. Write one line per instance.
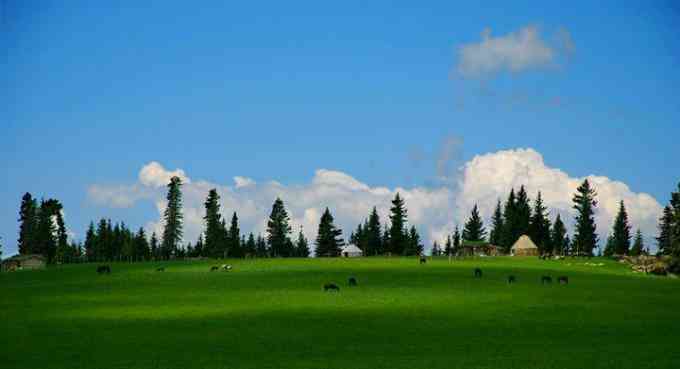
(273, 313)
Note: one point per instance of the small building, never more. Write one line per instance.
(478, 248)
(350, 251)
(24, 262)
(524, 246)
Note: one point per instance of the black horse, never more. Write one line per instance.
(423, 260)
(352, 281)
(478, 273)
(563, 280)
(331, 287)
(104, 269)
(161, 269)
(512, 279)
(546, 279)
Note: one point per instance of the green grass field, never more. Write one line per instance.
(274, 314)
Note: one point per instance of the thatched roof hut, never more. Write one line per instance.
(524, 246)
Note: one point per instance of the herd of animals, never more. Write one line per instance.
(352, 281)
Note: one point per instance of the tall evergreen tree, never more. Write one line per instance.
(278, 230)
(436, 250)
(234, 238)
(90, 243)
(675, 224)
(172, 233)
(199, 247)
(539, 227)
(456, 241)
(328, 240)
(509, 231)
(142, 250)
(523, 212)
(474, 227)
(620, 236)
(585, 237)
(413, 244)
(28, 224)
(558, 237)
(496, 234)
(46, 234)
(398, 217)
(448, 246)
(374, 244)
(214, 243)
(251, 246)
(665, 231)
(261, 247)
(301, 245)
(155, 248)
(638, 245)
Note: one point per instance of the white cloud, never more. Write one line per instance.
(243, 181)
(515, 52)
(487, 178)
(435, 211)
(155, 175)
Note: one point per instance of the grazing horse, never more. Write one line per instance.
(511, 279)
(423, 260)
(478, 273)
(161, 269)
(214, 268)
(103, 269)
(331, 287)
(352, 281)
(546, 279)
(226, 267)
(563, 280)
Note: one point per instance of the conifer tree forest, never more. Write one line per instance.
(42, 230)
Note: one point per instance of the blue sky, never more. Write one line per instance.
(275, 91)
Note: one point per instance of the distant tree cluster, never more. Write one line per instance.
(396, 238)
(42, 230)
(116, 242)
(668, 239)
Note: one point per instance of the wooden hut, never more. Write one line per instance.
(24, 262)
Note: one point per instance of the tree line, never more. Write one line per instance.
(42, 231)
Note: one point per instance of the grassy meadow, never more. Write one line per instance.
(273, 313)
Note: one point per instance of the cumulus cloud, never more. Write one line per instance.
(434, 210)
(488, 178)
(515, 52)
(155, 175)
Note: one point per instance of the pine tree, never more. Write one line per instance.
(261, 247)
(386, 240)
(199, 247)
(620, 236)
(155, 248)
(474, 227)
(638, 245)
(213, 246)
(142, 251)
(456, 241)
(301, 246)
(509, 230)
(374, 244)
(278, 229)
(251, 247)
(675, 224)
(46, 234)
(436, 251)
(585, 237)
(328, 240)
(234, 238)
(495, 236)
(91, 243)
(523, 213)
(398, 236)
(28, 219)
(539, 227)
(413, 244)
(448, 246)
(665, 231)
(558, 236)
(172, 233)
